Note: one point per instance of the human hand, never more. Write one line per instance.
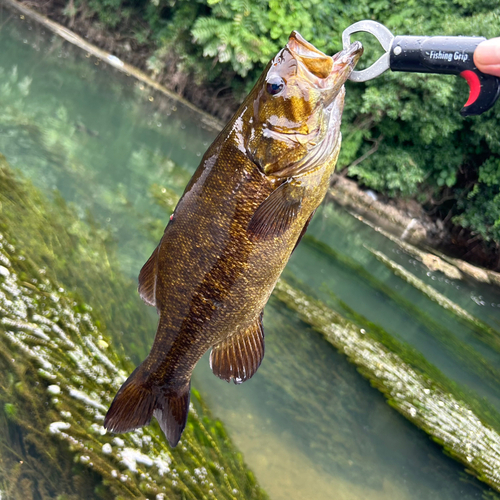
(487, 56)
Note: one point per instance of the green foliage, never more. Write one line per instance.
(110, 12)
(234, 33)
(405, 128)
(483, 202)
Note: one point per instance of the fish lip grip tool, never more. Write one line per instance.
(448, 55)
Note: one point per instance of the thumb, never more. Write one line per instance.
(487, 56)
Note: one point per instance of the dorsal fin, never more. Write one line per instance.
(238, 357)
(276, 213)
(147, 278)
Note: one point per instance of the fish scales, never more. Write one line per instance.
(233, 231)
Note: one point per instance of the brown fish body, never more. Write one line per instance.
(233, 232)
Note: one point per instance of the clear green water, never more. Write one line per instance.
(325, 276)
(308, 424)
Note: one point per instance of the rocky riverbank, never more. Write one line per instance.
(411, 228)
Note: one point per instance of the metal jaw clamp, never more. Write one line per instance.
(383, 35)
(447, 55)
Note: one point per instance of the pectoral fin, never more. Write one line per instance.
(304, 229)
(147, 279)
(238, 357)
(276, 213)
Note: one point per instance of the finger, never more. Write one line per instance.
(487, 56)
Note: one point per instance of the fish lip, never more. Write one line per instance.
(345, 60)
(344, 63)
(350, 53)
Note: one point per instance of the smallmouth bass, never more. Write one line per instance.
(240, 218)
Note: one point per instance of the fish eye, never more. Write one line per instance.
(275, 85)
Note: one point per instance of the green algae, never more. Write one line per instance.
(59, 371)
(487, 334)
(447, 419)
(473, 360)
(76, 254)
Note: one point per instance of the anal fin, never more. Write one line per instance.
(147, 278)
(238, 357)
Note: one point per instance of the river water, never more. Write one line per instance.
(308, 424)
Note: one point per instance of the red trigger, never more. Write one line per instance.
(474, 85)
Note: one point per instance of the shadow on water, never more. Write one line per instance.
(307, 423)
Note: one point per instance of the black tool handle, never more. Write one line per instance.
(452, 55)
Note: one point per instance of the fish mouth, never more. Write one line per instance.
(323, 71)
(303, 62)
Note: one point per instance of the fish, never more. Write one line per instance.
(232, 232)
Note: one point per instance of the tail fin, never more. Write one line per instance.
(172, 414)
(134, 405)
